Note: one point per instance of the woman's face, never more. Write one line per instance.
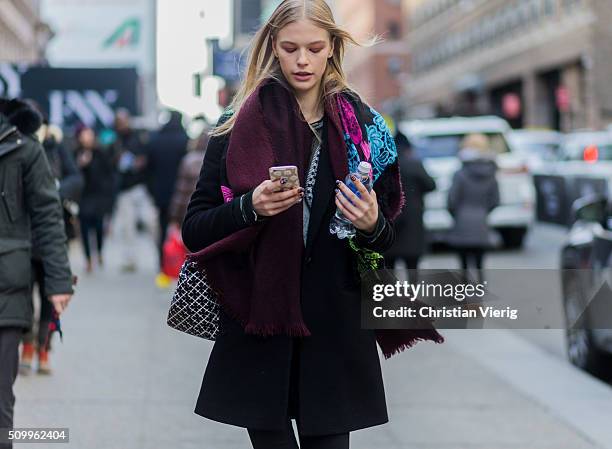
(87, 138)
(303, 50)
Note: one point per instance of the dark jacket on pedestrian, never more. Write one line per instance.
(410, 238)
(30, 217)
(64, 168)
(188, 174)
(97, 198)
(128, 153)
(70, 179)
(164, 153)
(473, 194)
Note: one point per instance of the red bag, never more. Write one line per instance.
(174, 253)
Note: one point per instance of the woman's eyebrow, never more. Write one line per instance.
(293, 43)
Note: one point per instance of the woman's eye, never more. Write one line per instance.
(289, 50)
(316, 50)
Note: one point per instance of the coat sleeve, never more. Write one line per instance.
(493, 197)
(427, 182)
(182, 191)
(208, 218)
(47, 222)
(454, 194)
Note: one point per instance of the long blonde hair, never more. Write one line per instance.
(262, 65)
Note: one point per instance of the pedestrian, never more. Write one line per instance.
(473, 194)
(30, 222)
(164, 153)
(410, 238)
(96, 203)
(291, 345)
(188, 174)
(70, 183)
(129, 156)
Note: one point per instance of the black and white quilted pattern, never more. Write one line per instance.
(311, 177)
(194, 308)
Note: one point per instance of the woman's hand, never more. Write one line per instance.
(269, 199)
(363, 212)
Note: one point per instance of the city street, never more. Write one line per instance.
(123, 379)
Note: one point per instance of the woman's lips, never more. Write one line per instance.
(302, 77)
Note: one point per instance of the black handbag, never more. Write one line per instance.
(195, 307)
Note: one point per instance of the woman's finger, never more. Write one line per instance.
(351, 217)
(366, 195)
(283, 196)
(278, 210)
(360, 204)
(346, 203)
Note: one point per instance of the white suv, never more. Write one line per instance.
(437, 142)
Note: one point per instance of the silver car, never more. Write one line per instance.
(437, 141)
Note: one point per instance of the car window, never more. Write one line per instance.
(449, 145)
(545, 150)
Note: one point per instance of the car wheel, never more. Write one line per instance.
(513, 238)
(581, 351)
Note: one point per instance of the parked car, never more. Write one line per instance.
(539, 146)
(586, 262)
(437, 142)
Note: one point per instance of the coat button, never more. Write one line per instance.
(308, 259)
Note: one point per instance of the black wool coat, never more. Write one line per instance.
(331, 381)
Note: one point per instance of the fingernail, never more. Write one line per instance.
(337, 191)
(337, 182)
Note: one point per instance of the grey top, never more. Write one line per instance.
(312, 175)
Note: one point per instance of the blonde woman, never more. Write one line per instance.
(291, 345)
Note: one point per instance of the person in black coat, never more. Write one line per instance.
(164, 154)
(410, 241)
(97, 200)
(473, 194)
(292, 345)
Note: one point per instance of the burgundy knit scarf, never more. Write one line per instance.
(257, 270)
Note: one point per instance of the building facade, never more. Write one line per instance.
(376, 72)
(538, 63)
(23, 37)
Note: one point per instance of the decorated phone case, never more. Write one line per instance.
(289, 172)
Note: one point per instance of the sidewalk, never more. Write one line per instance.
(123, 379)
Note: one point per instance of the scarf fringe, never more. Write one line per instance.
(389, 350)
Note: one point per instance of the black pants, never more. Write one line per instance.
(472, 257)
(9, 358)
(89, 224)
(46, 310)
(285, 439)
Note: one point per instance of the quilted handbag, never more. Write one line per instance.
(194, 308)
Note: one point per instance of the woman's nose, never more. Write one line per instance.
(302, 58)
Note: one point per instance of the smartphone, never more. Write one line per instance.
(287, 172)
